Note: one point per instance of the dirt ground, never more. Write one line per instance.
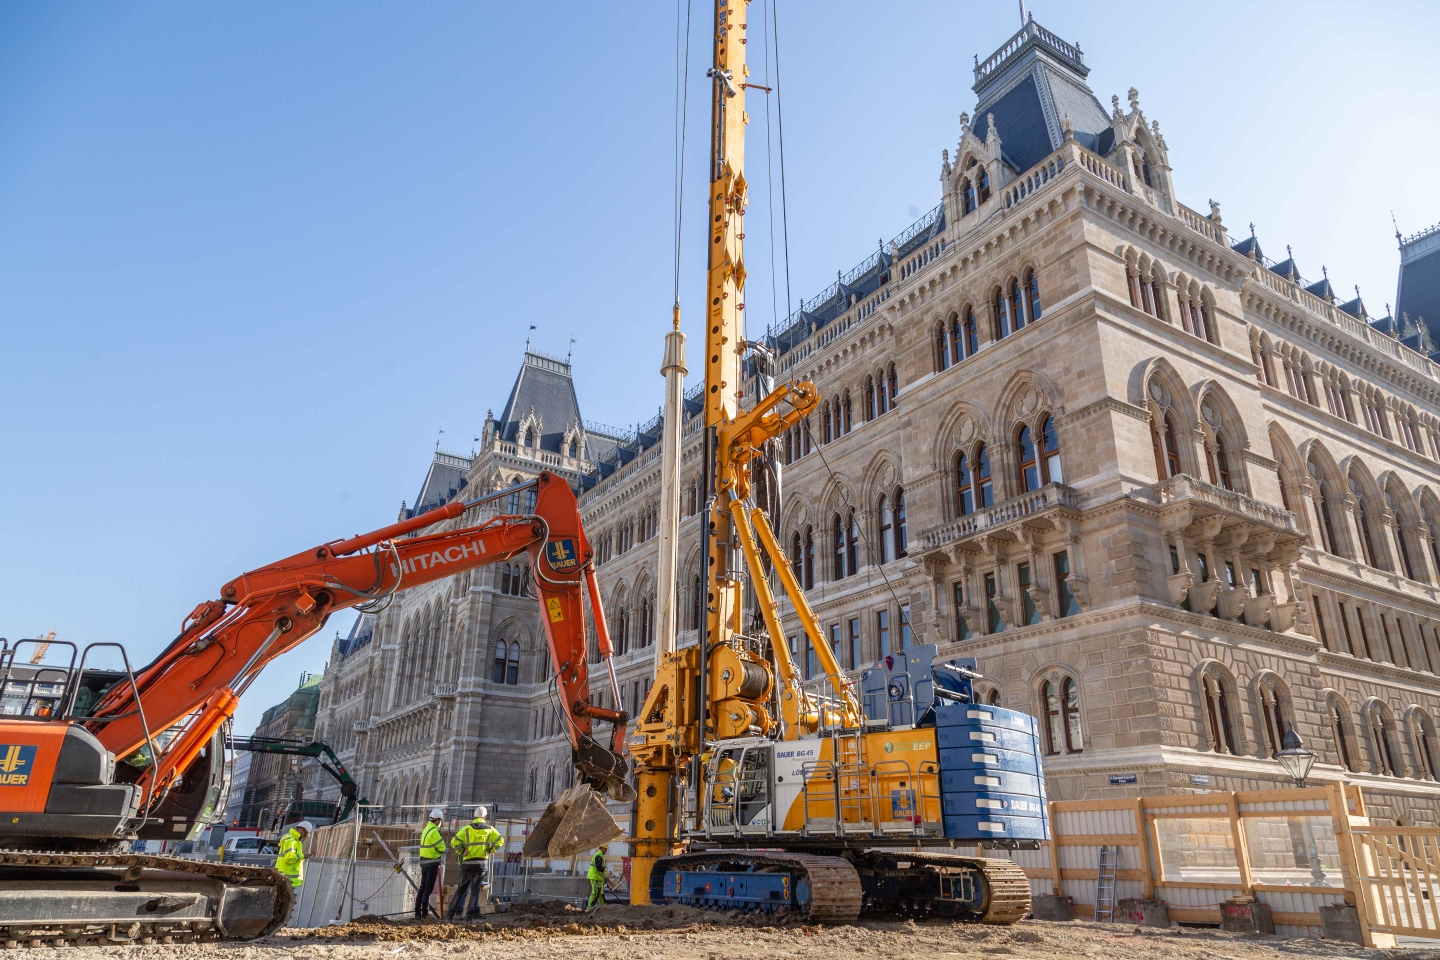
(617, 932)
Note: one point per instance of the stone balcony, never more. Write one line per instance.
(1231, 537)
(1036, 510)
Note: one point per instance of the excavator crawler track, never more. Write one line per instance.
(833, 886)
(71, 899)
(930, 884)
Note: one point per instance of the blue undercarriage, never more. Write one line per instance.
(737, 889)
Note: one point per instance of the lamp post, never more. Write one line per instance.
(1296, 761)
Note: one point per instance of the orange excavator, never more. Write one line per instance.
(93, 758)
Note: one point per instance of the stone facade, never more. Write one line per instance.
(269, 783)
(1172, 497)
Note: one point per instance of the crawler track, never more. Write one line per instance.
(835, 894)
(1006, 888)
(70, 899)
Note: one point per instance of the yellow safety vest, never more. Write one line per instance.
(476, 840)
(291, 861)
(432, 845)
(597, 866)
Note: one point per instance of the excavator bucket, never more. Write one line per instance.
(576, 822)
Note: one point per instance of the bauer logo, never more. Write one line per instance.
(16, 761)
(561, 554)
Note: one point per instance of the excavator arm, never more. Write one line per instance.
(195, 684)
(316, 750)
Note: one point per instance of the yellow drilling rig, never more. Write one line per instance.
(756, 791)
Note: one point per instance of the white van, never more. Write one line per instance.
(250, 847)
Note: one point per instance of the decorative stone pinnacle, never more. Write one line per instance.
(1133, 96)
(1115, 106)
(1067, 127)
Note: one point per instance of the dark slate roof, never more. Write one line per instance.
(1386, 325)
(543, 383)
(361, 632)
(1323, 290)
(444, 479)
(1356, 308)
(1418, 296)
(1286, 268)
(1244, 248)
(1030, 84)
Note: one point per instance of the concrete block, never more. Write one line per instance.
(1144, 913)
(1051, 906)
(1340, 921)
(1246, 915)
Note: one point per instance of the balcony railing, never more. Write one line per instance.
(1050, 497)
(1185, 487)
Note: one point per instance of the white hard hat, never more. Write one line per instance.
(437, 814)
(482, 811)
(305, 825)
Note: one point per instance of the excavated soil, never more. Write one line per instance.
(616, 932)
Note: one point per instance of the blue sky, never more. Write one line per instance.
(253, 258)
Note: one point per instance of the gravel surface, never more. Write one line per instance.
(679, 933)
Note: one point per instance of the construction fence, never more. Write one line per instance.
(1297, 851)
(355, 869)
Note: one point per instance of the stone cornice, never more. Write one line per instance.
(1104, 404)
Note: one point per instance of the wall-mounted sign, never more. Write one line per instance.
(1199, 780)
(1120, 779)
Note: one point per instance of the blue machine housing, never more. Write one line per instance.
(992, 787)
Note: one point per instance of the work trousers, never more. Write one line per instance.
(429, 873)
(466, 901)
(597, 894)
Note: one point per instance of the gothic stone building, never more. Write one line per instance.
(1173, 497)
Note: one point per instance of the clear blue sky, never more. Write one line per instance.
(253, 257)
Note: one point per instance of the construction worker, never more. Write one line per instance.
(291, 861)
(596, 874)
(432, 854)
(474, 843)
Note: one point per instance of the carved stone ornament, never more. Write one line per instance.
(887, 475)
(1158, 393)
(1029, 400)
(1211, 417)
(965, 432)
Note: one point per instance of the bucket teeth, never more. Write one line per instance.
(576, 822)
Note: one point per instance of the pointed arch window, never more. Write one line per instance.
(1029, 464)
(849, 420)
(971, 336)
(837, 539)
(887, 523)
(984, 489)
(1272, 712)
(797, 558)
(952, 331)
(1017, 304)
(1339, 730)
(942, 347)
(809, 579)
(1387, 760)
(900, 533)
(1062, 715)
(697, 602)
(1032, 290)
(852, 544)
(982, 185)
(1217, 714)
(1050, 471)
(869, 398)
(965, 491)
(967, 193)
(1001, 305)
(825, 423)
(1367, 542)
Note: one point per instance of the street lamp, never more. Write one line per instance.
(1296, 761)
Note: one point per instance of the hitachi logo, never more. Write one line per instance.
(425, 561)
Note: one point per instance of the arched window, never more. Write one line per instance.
(809, 579)
(852, 544)
(964, 487)
(530, 785)
(825, 423)
(1050, 462)
(970, 334)
(697, 602)
(942, 347)
(1062, 716)
(1340, 730)
(550, 781)
(900, 534)
(849, 420)
(505, 579)
(1207, 322)
(1272, 713)
(1382, 743)
(1217, 714)
(647, 622)
(837, 540)
(952, 332)
(1017, 304)
(1323, 509)
(1001, 305)
(894, 383)
(507, 663)
(887, 523)
(1367, 542)
(992, 698)
(797, 558)
(967, 193)
(984, 489)
(869, 398)
(1424, 733)
(1032, 289)
(1172, 448)
(982, 180)
(1222, 462)
(1029, 465)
